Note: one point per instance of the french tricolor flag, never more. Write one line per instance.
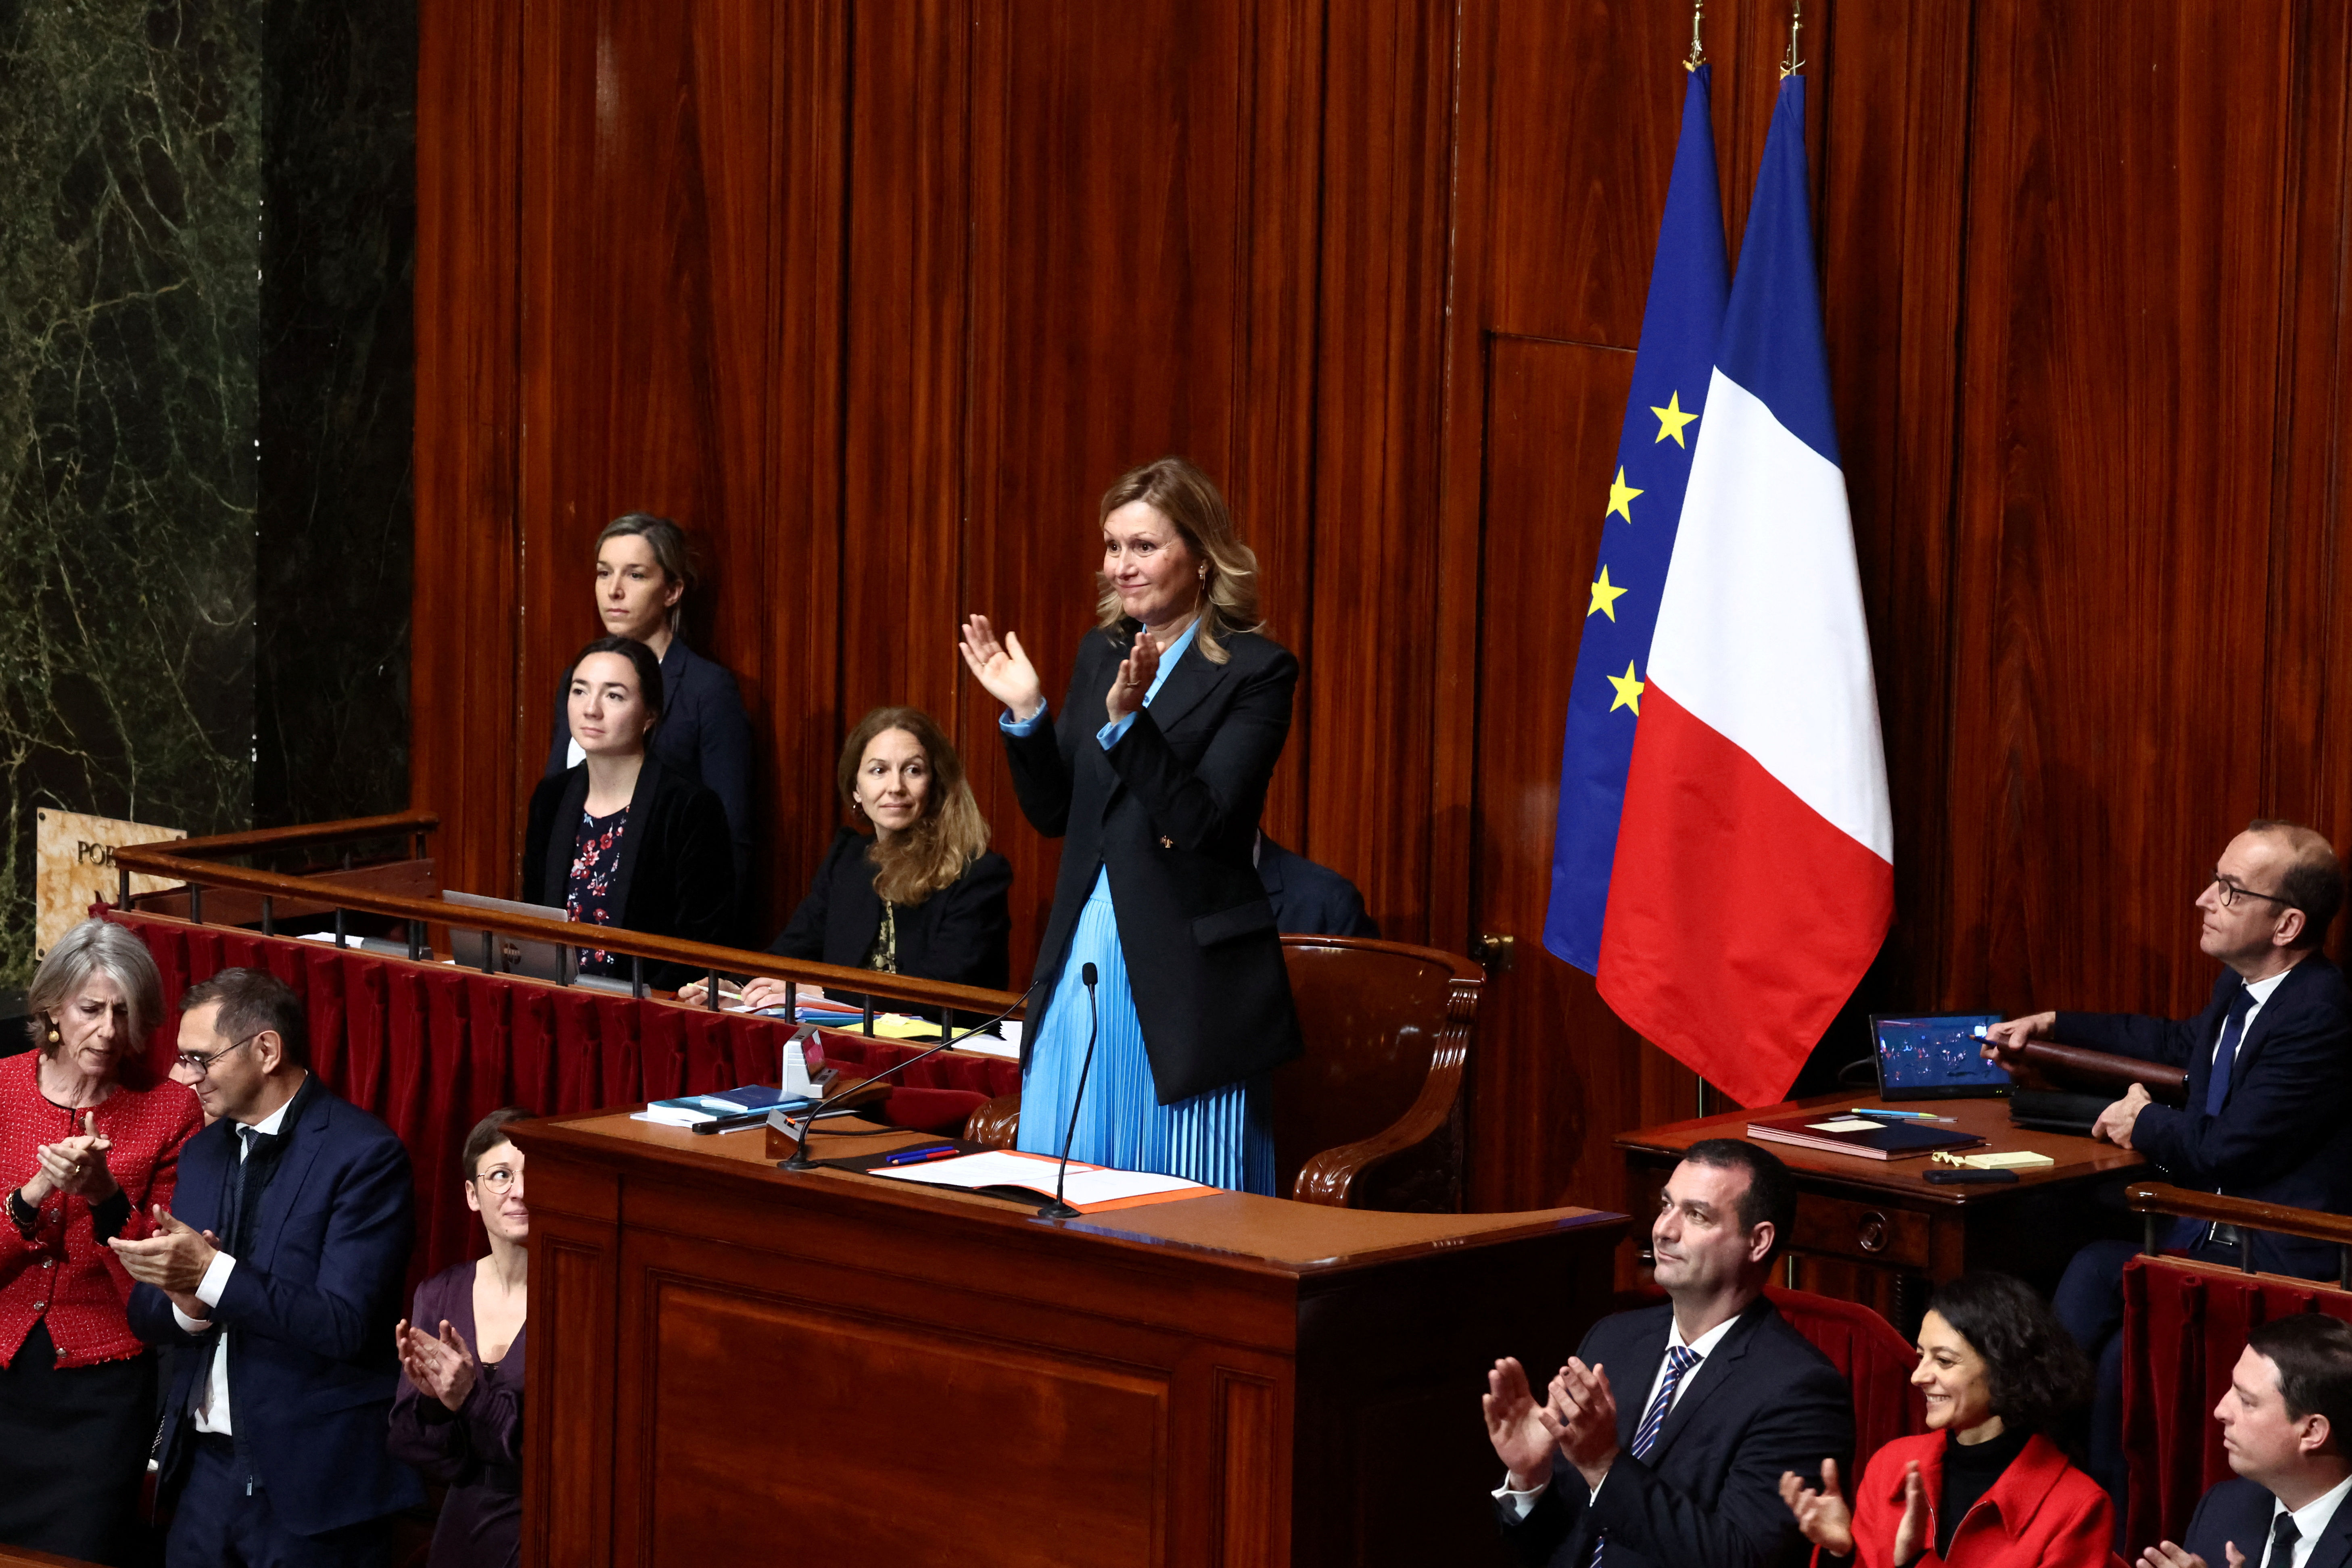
(1754, 875)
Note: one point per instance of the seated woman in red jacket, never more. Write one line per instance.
(1987, 1486)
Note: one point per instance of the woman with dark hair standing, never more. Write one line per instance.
(1989, 1484)
(92, 1147)
(1156, 772)
(619, 839)
(644, 566)
(458, 1415)
(923, 895)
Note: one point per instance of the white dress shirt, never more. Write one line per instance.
(1522, 1503)
(2260, 990)
(212, 1395)
(2311, 1521)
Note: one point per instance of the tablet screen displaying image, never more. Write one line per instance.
(1937, 1056)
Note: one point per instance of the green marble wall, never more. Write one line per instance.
(206, 220)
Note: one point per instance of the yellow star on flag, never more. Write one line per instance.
(1671, 419)
(1629, 691)
(1604, 597)
(1621, 495)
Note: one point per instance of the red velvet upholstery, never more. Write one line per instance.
(1876, 1361)
(432, 1049)
(2185, 1326)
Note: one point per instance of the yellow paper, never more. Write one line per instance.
(2012, 1160)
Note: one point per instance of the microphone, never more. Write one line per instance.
(1057, 1209)
(801, 1160)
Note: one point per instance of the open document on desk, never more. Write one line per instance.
(1091, 1189)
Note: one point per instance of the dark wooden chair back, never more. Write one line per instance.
(1371, 1116)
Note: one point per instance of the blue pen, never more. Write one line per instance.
(1905, 1115)
(917, 1156)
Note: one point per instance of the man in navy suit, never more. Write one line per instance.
(281, 1268)
(2269, 1113)
(1674, 1457)
(2285, 1424)
(1310, 899)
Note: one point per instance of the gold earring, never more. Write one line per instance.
(56, 1039)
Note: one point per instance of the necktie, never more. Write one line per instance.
(1679, 1360)
(2217, 1087)
(2283, 1536)
(234, 1229)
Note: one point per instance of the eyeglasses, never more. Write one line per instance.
(497, 1181)
(2230, 893)
(201, 1062)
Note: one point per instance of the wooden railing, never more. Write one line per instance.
(192, 861)
(2155, 1200)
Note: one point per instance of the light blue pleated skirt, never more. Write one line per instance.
(1225, 1138)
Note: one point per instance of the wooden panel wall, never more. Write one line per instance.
(878, 294)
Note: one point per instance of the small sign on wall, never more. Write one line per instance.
(73, 868)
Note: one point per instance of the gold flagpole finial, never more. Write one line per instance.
(1795, 62)
(1698, 50)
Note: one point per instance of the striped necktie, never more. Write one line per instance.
(1679, 1360)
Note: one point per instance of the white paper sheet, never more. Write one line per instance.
(1846, 1124)
(1005, 1168)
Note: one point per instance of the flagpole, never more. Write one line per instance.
(1793, 64)
(1698, 50)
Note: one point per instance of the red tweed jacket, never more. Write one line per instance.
(65, 1274)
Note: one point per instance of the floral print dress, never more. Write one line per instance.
(595, 858)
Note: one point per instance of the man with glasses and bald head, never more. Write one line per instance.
(281, 1267)
(2269, 1112)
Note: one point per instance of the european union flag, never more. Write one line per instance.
(1689, 282)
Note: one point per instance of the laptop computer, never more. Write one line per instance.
(1934, 1056)
(556, 960)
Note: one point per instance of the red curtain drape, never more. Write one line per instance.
(2185, 1325)
(432, 1049)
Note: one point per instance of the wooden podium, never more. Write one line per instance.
(731, 1363)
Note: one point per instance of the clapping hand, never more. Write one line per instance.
(1523, 1432)
(1129, 686)
(442, 1368)
(174, 1260)
(77, 1165)
(1911, 1532)
(1823, 1515)
(1002, 670)
(1585, 1409)
(2171, 1554)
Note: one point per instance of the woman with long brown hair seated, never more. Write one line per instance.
(923, 895)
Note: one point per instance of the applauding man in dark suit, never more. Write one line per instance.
(1662, 1441)
(2286, 1426)
(281, 1272)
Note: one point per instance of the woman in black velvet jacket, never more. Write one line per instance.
(618, 839)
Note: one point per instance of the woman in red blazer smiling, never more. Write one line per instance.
(1987, 1485)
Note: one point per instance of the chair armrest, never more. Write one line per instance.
(2312, 1225)
(1331, 1177)
(2064, 1065)
(996, 1123)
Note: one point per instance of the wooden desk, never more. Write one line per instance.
(1872, 1231)
(731, 1363)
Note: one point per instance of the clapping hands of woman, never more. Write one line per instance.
(442, 1368)
(75, 1166)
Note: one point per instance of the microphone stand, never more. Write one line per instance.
(1058, 1209)
(801, 1160)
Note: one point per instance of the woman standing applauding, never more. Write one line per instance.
(1154, 774)
(91, 1155)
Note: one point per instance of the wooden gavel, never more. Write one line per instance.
(2075, 1067)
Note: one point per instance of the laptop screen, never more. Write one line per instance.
(1934, 1056)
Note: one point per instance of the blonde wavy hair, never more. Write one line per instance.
(1190, 500)
(950, 835)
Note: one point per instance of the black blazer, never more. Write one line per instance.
(675, 878)
(2285, 1132)
(704, 734)
(958, 934)
(309, 1310)
(1172, 812)
(2239, 1511)
(1763, 1401)
(1310, 899)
